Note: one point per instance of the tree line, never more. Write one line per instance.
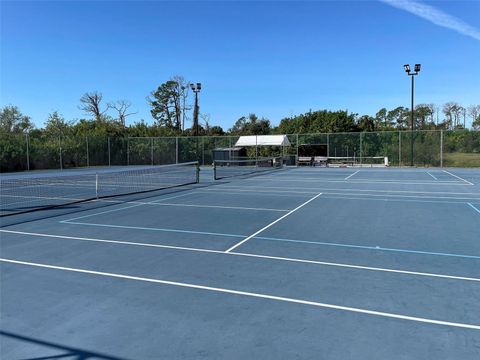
(170, 107)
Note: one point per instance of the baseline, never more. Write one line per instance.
(249, 294)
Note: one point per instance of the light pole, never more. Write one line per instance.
(412, 74)
(196, 89)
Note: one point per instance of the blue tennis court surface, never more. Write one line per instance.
(307, 263)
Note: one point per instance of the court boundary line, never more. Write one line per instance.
(458, 177)
(347, 194)
(474, 208)
(363, 190)
(248, 294)
(349, 176)
(269, 257)
(272, 223)
(366, 181)
(428, 172)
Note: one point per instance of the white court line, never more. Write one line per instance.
(458, 177)
(217, 207)
(349, 176)
(267, 257)
(474, 208)
(272, 223)
(431, 175)
(316, 189)
(389, 182)
(250, 294)
(349, 194)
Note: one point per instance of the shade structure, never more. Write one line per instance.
(263, 140)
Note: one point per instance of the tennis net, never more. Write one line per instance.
(25, 194)
(230, 168)
(364, 161)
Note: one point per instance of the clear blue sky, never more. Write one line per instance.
(273, 58)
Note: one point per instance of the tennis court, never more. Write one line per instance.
(301, 262)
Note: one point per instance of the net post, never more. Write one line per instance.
(197, 173)
(214, 170)
(96, 185)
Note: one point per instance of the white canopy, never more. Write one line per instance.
(263, 140)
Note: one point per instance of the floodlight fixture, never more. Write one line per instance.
(407, 68)
(417, 67)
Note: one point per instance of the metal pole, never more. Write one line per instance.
(399, 148)
(411, 125)
(360, 151)
(128, 150)
(28, 151)
(109, 160)
(151, 149)
(61, 159)
(88, 159)
(296, 160)
(441, 148)
(203, 150)
(176, 150)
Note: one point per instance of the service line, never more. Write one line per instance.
(272, 223)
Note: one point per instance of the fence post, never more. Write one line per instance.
(176, 150)
(28, 151)
(109, 159)
(203, 150)
(296, 156)
(399, 148)
(128, 150)
(360, 150)
(441, 148)
(328, 145)
(151, 150)
(61, 158)
(88, 159)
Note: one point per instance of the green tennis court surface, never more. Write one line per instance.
(309, 263)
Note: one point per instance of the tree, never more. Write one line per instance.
(122, 106)
(251, 126)
(400, 117)
(165, 103)
(13, 121)
(366, 123)
(56, 125)
(474, 113)
(91, 105)
(381, 119)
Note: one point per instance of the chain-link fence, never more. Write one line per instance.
(439, 148)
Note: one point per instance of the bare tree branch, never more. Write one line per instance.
(122, 106)
(91, 104)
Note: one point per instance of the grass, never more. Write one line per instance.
(461, 159)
